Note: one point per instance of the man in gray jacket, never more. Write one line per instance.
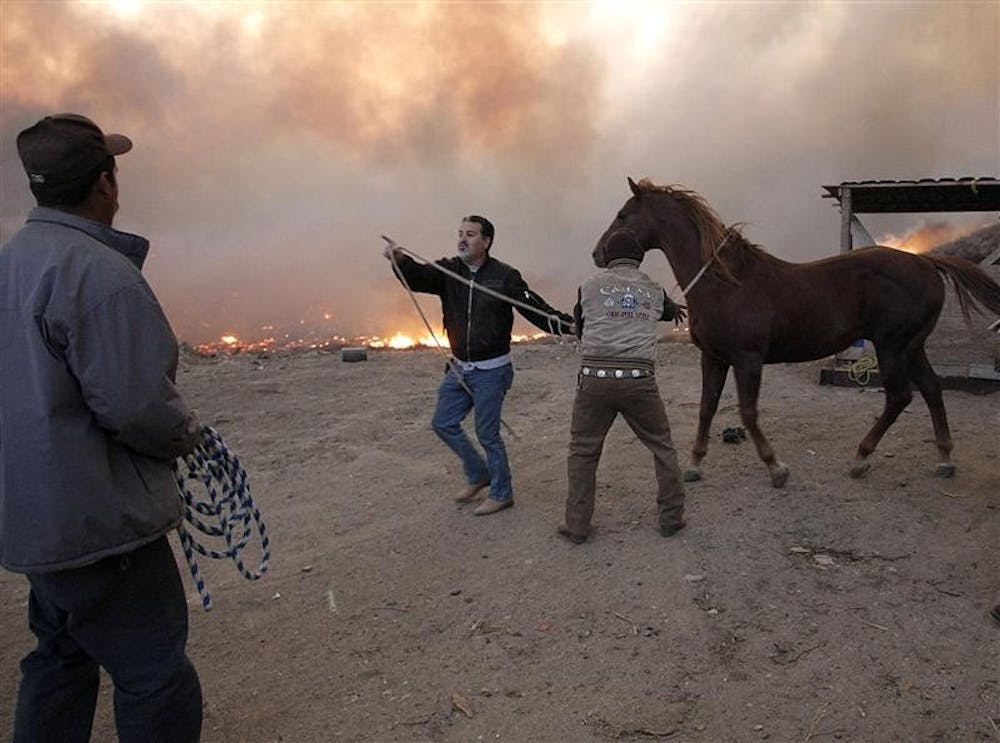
(616, 315)
(90, 422)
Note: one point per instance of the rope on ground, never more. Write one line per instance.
(860, 371)
(228, 505)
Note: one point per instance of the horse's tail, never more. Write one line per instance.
(970, 282)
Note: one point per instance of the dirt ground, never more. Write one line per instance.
(832, 609)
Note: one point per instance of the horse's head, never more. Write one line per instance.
(672, 218)
(635, 217)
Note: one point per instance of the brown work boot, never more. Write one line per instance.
(572, 536)
(490, 505)
(668, 530)
(469, 494)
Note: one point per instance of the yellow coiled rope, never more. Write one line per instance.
(860, 372)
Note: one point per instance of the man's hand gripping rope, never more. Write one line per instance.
(393, 250)
(228, 505)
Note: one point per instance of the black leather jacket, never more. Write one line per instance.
(478, 325)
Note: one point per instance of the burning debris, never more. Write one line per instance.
(975, 247)
(231, 345)
(929, 236)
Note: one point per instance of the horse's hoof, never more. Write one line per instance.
(779, 475)
(945, 469)
(860, 469)
(692, 474)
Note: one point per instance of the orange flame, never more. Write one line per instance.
(401, 341)
(231, 344)
(925, 236)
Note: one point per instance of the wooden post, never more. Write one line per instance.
(845, 219)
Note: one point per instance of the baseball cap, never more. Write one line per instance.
(622, 244)
(63, 148)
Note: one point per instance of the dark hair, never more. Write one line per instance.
(622, 244)
(485, 226)
(72, 192)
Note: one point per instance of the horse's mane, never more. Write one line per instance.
(712, 232)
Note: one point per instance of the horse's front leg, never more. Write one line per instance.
(748, 376)
(713, 379)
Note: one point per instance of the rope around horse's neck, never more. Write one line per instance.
(695, 279)
(447, 356)
(708, 263)
(229, 504)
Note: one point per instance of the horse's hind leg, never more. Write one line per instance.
(893, 367)
(748, 375)
(930, 388)
(713, 380)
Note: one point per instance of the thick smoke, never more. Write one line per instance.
(275, 142)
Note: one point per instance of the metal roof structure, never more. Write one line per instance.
(973, 372)
(924, 195)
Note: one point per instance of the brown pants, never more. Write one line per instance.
(598, 402)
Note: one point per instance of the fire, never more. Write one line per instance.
(231, 344)
(515, 338)
(273, 341)
(401, 341)
(925, 236)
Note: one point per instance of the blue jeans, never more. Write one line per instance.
(488, 387)
(127, 613)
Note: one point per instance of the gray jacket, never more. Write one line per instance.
(90, 420)
(616, 315)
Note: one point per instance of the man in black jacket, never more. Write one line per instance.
(478, 325)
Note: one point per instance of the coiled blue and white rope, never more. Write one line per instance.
(228, 505)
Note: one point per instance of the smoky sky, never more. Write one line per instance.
(275, 142)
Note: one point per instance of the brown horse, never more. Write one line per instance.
(748, 308)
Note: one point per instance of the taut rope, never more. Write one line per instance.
(447, 356)
(229, 504)
(554, 320)
(708, 263)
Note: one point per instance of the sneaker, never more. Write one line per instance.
(490, 505)
(670, 530)
(575, 538)
(469, 494)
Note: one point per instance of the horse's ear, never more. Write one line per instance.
(634, 186)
